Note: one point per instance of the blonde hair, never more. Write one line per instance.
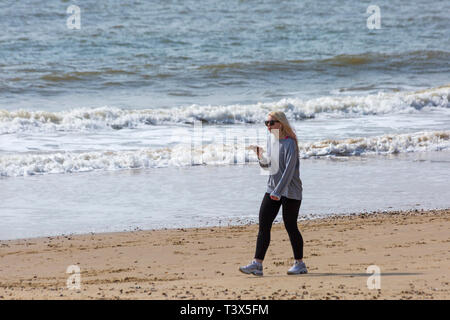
(286, 129)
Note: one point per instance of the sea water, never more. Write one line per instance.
(141, 118)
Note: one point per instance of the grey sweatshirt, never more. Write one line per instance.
(286, 180)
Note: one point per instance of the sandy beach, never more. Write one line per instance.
(410, 248)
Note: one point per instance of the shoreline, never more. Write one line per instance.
(122, 201)
(410, 248)
(232, 223)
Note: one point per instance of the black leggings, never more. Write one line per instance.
(267, 214)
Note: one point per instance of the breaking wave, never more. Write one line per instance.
(182, 155)
(111, 118)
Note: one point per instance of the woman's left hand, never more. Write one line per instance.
(274, 198)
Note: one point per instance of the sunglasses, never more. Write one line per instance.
(271, 122)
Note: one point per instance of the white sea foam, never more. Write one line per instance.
(23, 164)
(110, 118)
(385, 144)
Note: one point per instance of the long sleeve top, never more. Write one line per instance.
(286, 180)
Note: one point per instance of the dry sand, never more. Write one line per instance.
(410, 248)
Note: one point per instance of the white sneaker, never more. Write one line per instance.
(298, 268)
(253, 268)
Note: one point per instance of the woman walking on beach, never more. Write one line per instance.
(284, 188)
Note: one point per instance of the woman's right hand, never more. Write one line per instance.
(258, 150)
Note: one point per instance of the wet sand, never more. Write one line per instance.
(411, 249)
